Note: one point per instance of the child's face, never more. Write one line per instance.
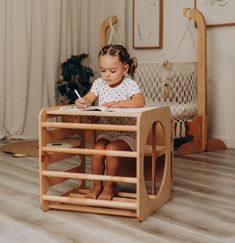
(112, 69)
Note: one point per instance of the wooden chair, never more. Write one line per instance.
(140, 202)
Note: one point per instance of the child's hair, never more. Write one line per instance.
(122, 53)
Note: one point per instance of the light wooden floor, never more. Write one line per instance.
(202, 207)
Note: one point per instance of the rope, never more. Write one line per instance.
(183, 37)
(174, 85)
(113, 33)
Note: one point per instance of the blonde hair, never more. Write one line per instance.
(122, 53)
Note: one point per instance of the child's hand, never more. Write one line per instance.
(113, 104)
(80, 103)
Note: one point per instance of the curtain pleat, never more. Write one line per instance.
(35, 37)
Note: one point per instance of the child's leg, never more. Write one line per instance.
(112, 168)
(97, 168)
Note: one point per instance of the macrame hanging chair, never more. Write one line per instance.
(172, 83)
(181, 85)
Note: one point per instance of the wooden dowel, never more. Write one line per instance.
(56, 180)
(119, 194)
(115, 198)
(91, 202)
(71, 190)
(160, 150)
(60, 133)
(97, 210)
(52, 158)
(62, 174)
(154, 156)
(88, 126)
(126, 154)
(126, 194)
(57, 112)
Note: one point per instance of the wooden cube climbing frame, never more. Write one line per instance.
(140, 203)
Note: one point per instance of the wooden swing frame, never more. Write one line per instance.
(198, 127)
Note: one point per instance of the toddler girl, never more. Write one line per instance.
(115, 90)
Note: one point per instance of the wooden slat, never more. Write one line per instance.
(201, 71)
(60, 133)
(91, 202)
(22, 218)
(97, 210)
(71, 190)
(126, 154)
(89, 126)
(115, 198)
(62, 174)
(154, 157)
(59, 112)
(119, 194)
(52, 158)
(160, 150)
(126, 195)
(104, 27)
(56, 180)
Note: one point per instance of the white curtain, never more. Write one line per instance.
(35, 37)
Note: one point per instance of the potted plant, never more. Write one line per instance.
(74, 75)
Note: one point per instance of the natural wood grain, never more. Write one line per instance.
(146, 120)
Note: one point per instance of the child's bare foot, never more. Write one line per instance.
(107, 193)
(94, 193)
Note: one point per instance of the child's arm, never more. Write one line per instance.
(87, 100)
(137, 100)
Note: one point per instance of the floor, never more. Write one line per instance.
(201, 209)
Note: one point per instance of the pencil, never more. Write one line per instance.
(79, 96)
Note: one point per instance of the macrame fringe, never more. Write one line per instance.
(172, 84)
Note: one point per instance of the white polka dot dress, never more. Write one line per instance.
(124, 91)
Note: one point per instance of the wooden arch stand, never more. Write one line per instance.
(104, 28)
(198, 127)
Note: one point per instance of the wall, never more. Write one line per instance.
(221, 85)
(221, 59)
(98, 12)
